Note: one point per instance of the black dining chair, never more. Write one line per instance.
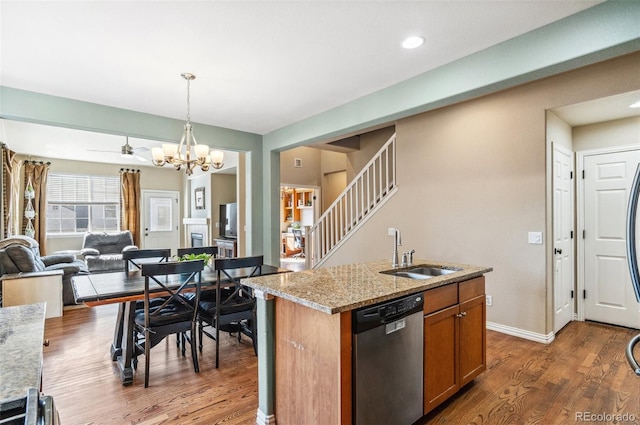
(175, 315)
(209, 294)
(133, 257)
(233, 309)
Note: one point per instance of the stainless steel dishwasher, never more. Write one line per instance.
(387, 362)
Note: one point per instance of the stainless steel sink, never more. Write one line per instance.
(420, 272)
(431, 271)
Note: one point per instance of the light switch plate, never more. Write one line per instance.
(535, 238)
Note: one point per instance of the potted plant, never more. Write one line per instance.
(203, 256)
(29, 192)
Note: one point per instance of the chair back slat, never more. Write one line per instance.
(211, 250)
(172, 267)
(132, 255)
(238, 262)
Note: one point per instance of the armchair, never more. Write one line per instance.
(21, 254)
(103, 251)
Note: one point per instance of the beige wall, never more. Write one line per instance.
(334, 177)
(624, 132)
(558, 132)
(370, 143)
(308, 174)
(223, 191)
(333, 162)
(472, 182)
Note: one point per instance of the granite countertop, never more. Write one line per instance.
(343, 288)
(21, 338)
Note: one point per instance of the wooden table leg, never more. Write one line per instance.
(116, 345)
(125, 358)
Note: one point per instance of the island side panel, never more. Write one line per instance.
(313, 365)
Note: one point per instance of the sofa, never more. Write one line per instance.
(21, 254)
(102, 251)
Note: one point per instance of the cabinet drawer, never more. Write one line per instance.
(439, 298)
(471, 288)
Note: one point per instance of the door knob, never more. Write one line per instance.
(557, 251)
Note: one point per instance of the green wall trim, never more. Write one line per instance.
(23, 105)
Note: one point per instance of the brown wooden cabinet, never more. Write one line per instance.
(293, 201)
(454, 339)
(289, 210)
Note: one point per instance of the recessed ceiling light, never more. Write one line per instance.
(635, 105)
(413, 42)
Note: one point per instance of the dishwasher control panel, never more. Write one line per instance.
(385, 312)
(400, 307)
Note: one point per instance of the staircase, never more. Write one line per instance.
(368, 191)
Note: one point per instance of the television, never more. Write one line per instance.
(228, 225)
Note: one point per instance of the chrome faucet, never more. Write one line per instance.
(407, 258)
(397, 241)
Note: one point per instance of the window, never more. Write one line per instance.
(79, 204)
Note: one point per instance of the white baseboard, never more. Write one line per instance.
(521, 333)
(262, 419)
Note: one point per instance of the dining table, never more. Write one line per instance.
(127, 288)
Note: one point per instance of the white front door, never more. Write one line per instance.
(160, 220)
(563, 254)
(609, 296)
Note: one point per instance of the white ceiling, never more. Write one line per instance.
(260, 65)
(600, 110)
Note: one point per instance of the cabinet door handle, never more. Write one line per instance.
(463, 314)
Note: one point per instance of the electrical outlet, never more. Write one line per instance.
(391, 231)
(489, 300)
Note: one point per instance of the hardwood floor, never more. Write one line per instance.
(583, 370)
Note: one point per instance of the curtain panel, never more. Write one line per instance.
(130, 203)
(38, 172)
(10, 165)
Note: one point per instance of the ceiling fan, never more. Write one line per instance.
(128, 151)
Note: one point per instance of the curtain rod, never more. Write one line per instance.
(26, 161)
(133, 170)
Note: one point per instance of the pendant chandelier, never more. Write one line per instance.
(188, 153)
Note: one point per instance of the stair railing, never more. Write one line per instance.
(375, 183)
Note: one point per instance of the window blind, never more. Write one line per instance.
(83, 189)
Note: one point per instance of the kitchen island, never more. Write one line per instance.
(305, 370)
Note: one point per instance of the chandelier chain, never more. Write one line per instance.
(188, 101)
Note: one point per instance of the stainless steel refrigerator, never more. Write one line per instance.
(632, 259)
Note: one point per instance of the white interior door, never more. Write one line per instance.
(609, 295)
(563, 250)
(160, 220)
